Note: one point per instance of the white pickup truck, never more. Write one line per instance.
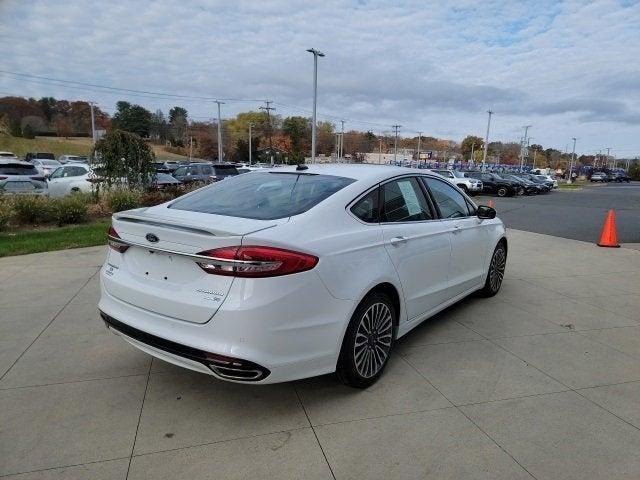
(471, 186)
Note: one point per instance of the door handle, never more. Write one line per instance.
(397, 241)
(457, 228)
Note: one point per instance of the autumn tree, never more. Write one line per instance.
(298, 130)
(471, 141)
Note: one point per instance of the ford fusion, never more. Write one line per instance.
(289, 273)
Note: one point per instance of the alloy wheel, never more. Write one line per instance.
(496, 269)
(373, 340)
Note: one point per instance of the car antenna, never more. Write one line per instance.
(302, 166)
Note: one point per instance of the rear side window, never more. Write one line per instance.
(366, 209)
(225, 170)
(449, 201)
(18, 169)
(206, 169)
(263, 196)
(403, 201)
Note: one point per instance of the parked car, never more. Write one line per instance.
(204, 172)
(171, 165)
(162, 181)
(8, 156)
(471, 186)
(18, 177)
(548, 178)
(492, 183)
(545, 185)
(39, 156)
(619, 177)
(46, 167)
(64, 159)
(70, 178)
(527, 187)
(296, 272)
(599, 177)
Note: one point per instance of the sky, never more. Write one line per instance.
(569, 68)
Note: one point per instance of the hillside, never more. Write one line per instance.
(60, 146)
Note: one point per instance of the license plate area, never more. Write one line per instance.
(163, 267)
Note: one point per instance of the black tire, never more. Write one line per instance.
(502, 191)
(495, 275)
(361, 364)
(464, 189)
(520, 191)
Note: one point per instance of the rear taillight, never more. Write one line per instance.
(113, 237)
(3, 178)
(255, 261)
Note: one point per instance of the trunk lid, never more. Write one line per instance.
(158, 275)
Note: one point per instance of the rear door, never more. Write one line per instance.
(417, 243)
(468, 236)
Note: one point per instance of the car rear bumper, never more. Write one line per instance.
(291, 337)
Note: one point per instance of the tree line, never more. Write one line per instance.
(285, 139)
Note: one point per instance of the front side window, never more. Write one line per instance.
(263, 196)
(180, 172)
(449, 201)
(403, 201)
(366, 209)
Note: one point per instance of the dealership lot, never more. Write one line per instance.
(541, 381)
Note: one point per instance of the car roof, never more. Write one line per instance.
(360, 172)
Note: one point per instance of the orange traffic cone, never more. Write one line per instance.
(608, 237)
(491, 204)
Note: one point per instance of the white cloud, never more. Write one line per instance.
(568, 68)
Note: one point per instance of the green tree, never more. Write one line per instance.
(123, 158)
(132, 118)
(471, 141)
(178, 125)
(297, 129)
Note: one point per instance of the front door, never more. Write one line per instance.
(418, 244)
(468, 236)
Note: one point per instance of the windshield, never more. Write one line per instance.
(263, 196)
(17, 169)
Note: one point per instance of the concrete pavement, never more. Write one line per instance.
(541, 381)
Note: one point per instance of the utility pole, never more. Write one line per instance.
(380, 152)
(341, 153)
(268, 109)
(419, 140)
(522, 144)
(573, 154)
(316, 54)
(472, 159)
(486, 140)
(190, 148)
(395, 145)
(220, 153)
(93, 123)
(250, 142)
(608, 159)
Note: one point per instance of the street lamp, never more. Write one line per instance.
(250, 125)
(316, 54)
(573, 153)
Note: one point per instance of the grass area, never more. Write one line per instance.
(61, 146)
(54, 238)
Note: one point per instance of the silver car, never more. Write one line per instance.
(46, 167)
(18, 177)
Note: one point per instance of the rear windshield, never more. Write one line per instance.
(17, 169)
(48, 156)
(225, 170)
(263, 196)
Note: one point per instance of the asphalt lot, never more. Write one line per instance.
(575, 214)
(541, 381)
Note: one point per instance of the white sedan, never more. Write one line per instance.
(291, 273)
(70, 178)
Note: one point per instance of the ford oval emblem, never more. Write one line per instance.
(152, 238)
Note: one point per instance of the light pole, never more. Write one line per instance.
(522, 146)
(419, 140)
(342, 139)
(471, 159)
(250, 125)
(395, 143)
(573, 153)
(380, 152)
(219, 131)
(316, 54)
(486, 140)
(93, 123)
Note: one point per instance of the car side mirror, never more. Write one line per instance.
(485, 213)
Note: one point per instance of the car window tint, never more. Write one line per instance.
(206, 169)
(180, 171)
(225, 170)
(76, 171)
(366, 209)
(450, 202)
(403, 201)
(263, 196)
(18, 169)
